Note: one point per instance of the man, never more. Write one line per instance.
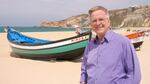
(110, 58)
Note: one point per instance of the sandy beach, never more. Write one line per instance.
(25, 71)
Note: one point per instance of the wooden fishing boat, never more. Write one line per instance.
(137, 38)
(65, 49)
(33, 48)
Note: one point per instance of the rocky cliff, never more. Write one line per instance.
(136, 16)
(69, 22)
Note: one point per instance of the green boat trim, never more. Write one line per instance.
(55, 50)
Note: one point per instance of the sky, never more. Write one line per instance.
(33, 12)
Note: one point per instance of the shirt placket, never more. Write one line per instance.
(98, 62)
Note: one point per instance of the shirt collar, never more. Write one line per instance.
(107, 37)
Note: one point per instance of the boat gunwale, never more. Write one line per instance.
(51, 47)
(51, 42)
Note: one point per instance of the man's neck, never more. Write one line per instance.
(101, 37)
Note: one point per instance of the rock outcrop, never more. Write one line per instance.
(136, 16)
(69, 22)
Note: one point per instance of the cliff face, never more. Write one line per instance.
(137, 16)
(69, 22)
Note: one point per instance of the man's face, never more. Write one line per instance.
(100, 22)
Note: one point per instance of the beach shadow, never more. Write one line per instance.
(77, 60)
(52, 60)
(66, 60)
(12, 54)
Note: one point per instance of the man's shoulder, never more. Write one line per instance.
(120, 37)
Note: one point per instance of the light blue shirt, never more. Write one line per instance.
(111, 61)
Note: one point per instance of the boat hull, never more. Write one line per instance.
(33, 48)
(137, 44)
(71, 55)
(66, 52)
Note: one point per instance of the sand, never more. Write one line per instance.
(25, 71)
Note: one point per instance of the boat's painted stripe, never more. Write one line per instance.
(139, 39)
(56, 50)
(51, 45)
(135, 35)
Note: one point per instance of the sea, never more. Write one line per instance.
(39, 29)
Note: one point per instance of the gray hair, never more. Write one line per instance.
(98, 8)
